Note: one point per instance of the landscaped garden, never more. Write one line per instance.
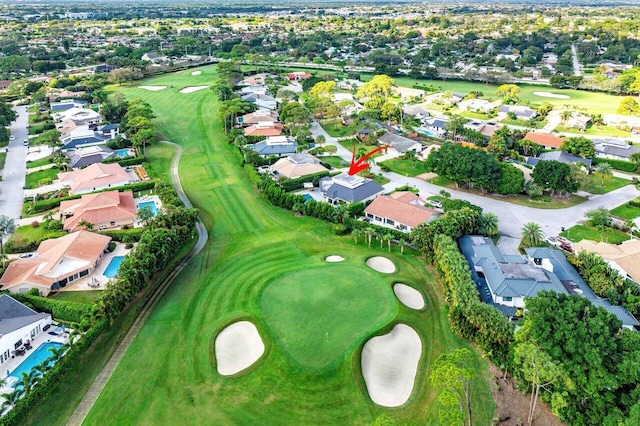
(267, 266)
(600, 234)
(41, 177)
(597, 185)
(629, 211)
(404, 167)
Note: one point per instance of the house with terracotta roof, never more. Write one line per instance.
(295, 76)
(95, 177)
(258, 117)
(297, 165)
(264, 129)
(545, 140)
(402, 210)
(104, 210)
(624, 258)
(56, 263)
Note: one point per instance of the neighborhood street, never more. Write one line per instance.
(15, 168)
(512, 216)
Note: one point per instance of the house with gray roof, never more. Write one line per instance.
(346, 189)
(399, 144)
(504, 281)
(561, 156)
(262, 101)
(18, 326)
(614, 149)
(521, 112)
(82, 157)
(275, 145)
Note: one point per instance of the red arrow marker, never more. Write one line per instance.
(361, 164)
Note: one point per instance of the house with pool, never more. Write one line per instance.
(104, 210)
(56, 263)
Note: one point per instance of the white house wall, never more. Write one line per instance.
(8, 341)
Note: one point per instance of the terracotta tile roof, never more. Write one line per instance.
(544, 139)
(264, 130)
(99, 209)
(626, 255)
(298, 165)
(56, 259)
(95, 176)
(401, 207)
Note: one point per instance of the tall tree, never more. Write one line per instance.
(452, 374)
(7, 227)
(531, 234)
(603, 170)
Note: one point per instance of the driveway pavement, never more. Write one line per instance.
(13, 175)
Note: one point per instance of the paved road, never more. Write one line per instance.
(576, 64)
(83, 409)
(512, 216)
(15, 168)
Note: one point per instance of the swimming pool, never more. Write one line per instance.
(112, 269)
(151, 205)
(124, 152)
(40, 354)
(426, 132)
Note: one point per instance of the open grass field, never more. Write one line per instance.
(169, 371)
(32, 180)
(88, 297)
(595, 184)
(405, 167)
(582, 232)
(27, 234)
(627, 211)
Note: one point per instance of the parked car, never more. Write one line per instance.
(553, 241)
(25, 142)
(435, 203)
(563, 240)
(26, 255)
(12, 137)
(566, 247)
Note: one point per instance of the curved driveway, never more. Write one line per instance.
(512, 216)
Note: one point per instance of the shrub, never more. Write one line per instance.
(340, 229)
(624, 166)
(35, 224)
(124, 235)
(112, 246)
(60, 309)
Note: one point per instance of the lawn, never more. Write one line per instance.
(27, 234)
(474, 115)
(594, 131)
(594, 184)
(3, 159)
(404, 167)
(88, 297)
(523, 123)
(337, 130)
(334, 161)
(253, 247)
(41, 162)
(32, 180)
(583, 232)
(627, 211)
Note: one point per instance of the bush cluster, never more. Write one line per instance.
(60, 309)
(623, 166)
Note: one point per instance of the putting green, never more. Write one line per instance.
(318, 316)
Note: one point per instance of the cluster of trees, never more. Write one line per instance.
(554, 176)
(162, 240)
(7, 115)
(586, 363)
(136, 123)
(476, 169)
(376, 93)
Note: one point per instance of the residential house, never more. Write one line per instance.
(95, 177)
(275, 145)
(436, 126)
(487, 129)
(578, 121)
(109, 131)
(418, 111)
(56, 263)
(4, 84)
(262, 101)
(624, 258)
(545, 140)
(264, 129)
(104, 210)
(620, 121)
(504, 281)
(78, 116)
(254, 80)
(560, 156)
(350, 189)
(349, 84)
(399, 145)
(83, 157)
(19, 325)
(67, 104)
(614, 149)
(66, 94)
(298, 75)
(401, 210)
(258, 89)
(482, 106)
(521, 112)
(258, 117)
(297, 165)
(155, 57)
(444, 98)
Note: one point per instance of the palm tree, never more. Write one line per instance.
(445, 194)
(388, 236)
(42, 367)
(28, 380)
(57, 353)
(402, 242)
(7, 227)
(489, 224)
(604, 170)
(565, 116)
(356, 233)
(10, 399)
(531, 234)
(370, 233)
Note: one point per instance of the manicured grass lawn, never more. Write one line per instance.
(335, 161)
(405, 167)
(536, 124)
(595, 185)
(27, 234)
(337, 130)
(32, 179)
(595, 131)
(41, 162)
(3, 159)
(88, 297)
(376, 177)
(627, 211)
(474, 115)
(582, 232)
(252, 246)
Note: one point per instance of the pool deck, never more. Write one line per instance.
(82, 284)
(144, 199)
(41, 338)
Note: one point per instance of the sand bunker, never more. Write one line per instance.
(551, 95)
(389, 365)
(381, 264)
(196, 72)
(152, 88)
(237, 347)
(192, 89)
(409, 296)
(333, 258)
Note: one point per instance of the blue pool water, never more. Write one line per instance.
(307, 197)
(151, 205)
(112, 269)
(37, 356)
(426, 132)
(122, 152)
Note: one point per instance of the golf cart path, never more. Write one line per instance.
(83, 409)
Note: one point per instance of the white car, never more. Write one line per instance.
(12, 137)
(554, 241)
(435, 203)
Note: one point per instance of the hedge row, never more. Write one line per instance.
(125, 162)
(634, 204)
(60, 309)
(298, 183)
(124, 235)
(623, 166)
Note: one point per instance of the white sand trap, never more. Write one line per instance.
(196, 72)
(389, 365)
(238, 346)
(409, 296)
(192, 89)
(333, 258)
(152, 88)
(381, 264)
(551, 95)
